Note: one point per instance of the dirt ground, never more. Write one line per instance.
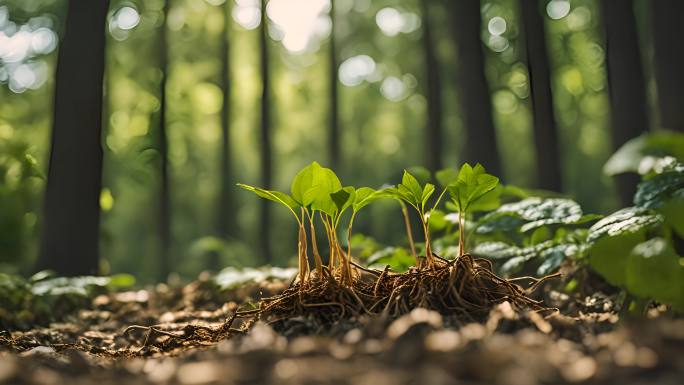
(196, 340)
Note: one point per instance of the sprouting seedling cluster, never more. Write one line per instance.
(318, 197)
(316, 192)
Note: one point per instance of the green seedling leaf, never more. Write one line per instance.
(410, 188)
(428, 190)
(275, 196)
(653, 271)
(471, 185)
(343, 199)
(625, 221)
(313, 186)
(365, 196)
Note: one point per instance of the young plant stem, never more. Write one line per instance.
(461, 234)
(317, 256)
(349, 236)
(303, 260)
(428, 247)
(328, 234)
(409, 233)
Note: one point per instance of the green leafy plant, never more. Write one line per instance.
(633, 248)
(317, 191)
(410, 192)
(471, 187)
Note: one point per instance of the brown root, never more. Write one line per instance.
(466, 287)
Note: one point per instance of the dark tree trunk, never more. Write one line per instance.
(71, 228)
(549, 172)
(668, 30)
(334, 136)
(164, 185)
(476, 105)
(265, 139)
(433, 141)
(226, 225)
(629, 116)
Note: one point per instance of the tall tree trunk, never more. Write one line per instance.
(226, 224)
(433, 141)
(71, 228)
(265, 139)
(668, 29)
(164, 185)
(334, 135)
(549, 171)
(629, 116)
(476, 105)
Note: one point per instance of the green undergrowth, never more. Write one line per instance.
(45, 298)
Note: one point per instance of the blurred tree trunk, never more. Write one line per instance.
(476, 105)
(226, 222)
(549, 172)
(668, 30)
(629, 116)
(162, 143)
(265, 139)
(433, 141)
(334, 135)
(71, 228)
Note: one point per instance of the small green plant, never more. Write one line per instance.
(317, 191)
(471, 187)
(410, 192)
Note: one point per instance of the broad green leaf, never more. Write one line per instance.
(428, 190)
(673, 211)
(625, 221)
(656, 190)
(314, 184)
(632, 155)
(365, 196)
(608, 255)
(302, 183)
(516, 257)
(471, 185)
(437, 220)
(275, 196)
(411, 186)
(653, 271)
(532, 213)
(488, 202)
(343, 198)
(499, 222)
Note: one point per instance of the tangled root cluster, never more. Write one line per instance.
(466, 287)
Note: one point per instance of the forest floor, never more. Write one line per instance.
(196, 340)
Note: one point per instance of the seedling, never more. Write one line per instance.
(317, 190)
(410, 192)
(471, 186)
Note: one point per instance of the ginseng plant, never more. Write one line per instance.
(410, 192)
(469, 189)
(317, 189)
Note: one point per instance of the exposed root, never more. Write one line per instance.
(466, 287)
